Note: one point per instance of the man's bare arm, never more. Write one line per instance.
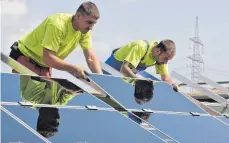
(126, 71)
(167, 78)
(92, 61)
(50, 58)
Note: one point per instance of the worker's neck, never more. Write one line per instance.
(74, 23)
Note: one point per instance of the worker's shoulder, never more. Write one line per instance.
(139, 43)
(60, 20)
(60, 16)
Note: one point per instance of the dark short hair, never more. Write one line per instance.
(167, 45)
(89, 9)
(47, 126)
(144, 90)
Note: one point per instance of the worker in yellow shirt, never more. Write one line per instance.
(55, 38)
(140, 54)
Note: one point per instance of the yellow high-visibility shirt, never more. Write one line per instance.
(55, 33)
(133, 53)
(38, 92)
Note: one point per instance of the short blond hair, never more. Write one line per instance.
(168, 46)
(89, 9)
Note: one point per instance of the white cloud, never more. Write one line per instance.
(14, 25)
(14, 7)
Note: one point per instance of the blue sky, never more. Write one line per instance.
(123, 21)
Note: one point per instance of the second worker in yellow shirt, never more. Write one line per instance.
(136, 56)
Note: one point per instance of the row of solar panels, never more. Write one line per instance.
(173, 117)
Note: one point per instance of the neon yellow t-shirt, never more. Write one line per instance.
(133, 53)
(55, 33)
(37, 92)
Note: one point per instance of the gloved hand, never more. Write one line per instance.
(175, 87)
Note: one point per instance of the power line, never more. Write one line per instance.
(197, 62)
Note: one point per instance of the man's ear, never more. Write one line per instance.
(158, 51)
(77, 15)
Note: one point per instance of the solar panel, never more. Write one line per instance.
(201, 89)
(82, 99)
(214, 84)
(224, 119)
(164, 98)
(192, 129)
(107, 69)
(11, 92)
(14, 132)
(90, 82)
(147, 75)
(78, 126)
(189, 124)
(184, 110)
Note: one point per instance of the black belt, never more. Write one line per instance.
(16, 53)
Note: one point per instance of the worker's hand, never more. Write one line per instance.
(78, 72)
(175, 87)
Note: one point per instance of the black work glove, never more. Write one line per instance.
(175, 87)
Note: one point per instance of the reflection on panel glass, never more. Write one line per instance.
(138, 116)
(143, 91)
(135, 116)
(41, 90)
(144, 94)
(53, 91)
(84, 126)
(11, 86)
(164, 99)
(37, 90)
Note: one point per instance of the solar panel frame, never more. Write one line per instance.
(156, 131)
(191, 129)
(160, 100)
(90, 126)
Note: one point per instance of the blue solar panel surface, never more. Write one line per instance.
(11, 92)
(164, 98)
(224, 119)
(79, 100)
(147, 75)
(75, 125)
(183, 128)
(12, 131)
(189, 129)
(79, 126)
